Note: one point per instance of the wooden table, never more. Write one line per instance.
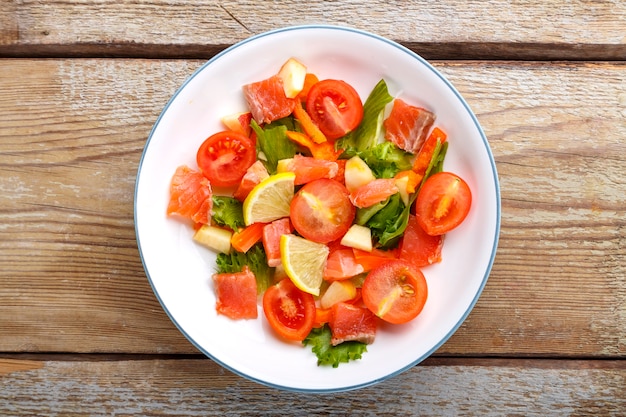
(81, 84)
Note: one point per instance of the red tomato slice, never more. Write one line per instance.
(396, 291)
(442, 203)
(253, 176)
(271, 239)
(418, 247)
(190, 195)
(225, 156)
(321, 211)
(349, 322)
(373, 192)
(267, 100)
(289, 311)
(335, 107)
(308, 169)
(341, 264)
(236, 294)
(407, 126)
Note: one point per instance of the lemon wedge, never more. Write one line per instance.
(304, 262)
(270, 199)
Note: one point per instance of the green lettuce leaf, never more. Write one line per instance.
(437, 162)
(363, 215)
(366, 135)
(390, 221)
(386, 159)
(255, 259)
(273, 143)
(327, 354)
(227, 211)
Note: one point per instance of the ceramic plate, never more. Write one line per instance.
(180, 271)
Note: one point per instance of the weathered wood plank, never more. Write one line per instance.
(530, 29)
(559, 147)
(71, 135)
(200, 387)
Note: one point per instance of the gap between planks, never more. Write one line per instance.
(9, 360)
(454, 51)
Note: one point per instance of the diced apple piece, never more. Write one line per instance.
(358, 237)
(402, 184)
(214, 238)
(357, 173)
(279, 273)
(283, 165)
(238, 122)
(338, 291)
(293, 73)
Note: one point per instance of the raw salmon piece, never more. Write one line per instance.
(308, 168)
(418, 247)
(349, 322)
(407, 126)
(271, 239)
(236, 294)
(341, 265)
(267, 101)
(253, 176)
(190, 195)
(373, 192)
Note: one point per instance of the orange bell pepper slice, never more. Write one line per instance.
(309, 80)
(420, 165)
(244, 239)
(324, 150)
(307, 124)
(413, 182)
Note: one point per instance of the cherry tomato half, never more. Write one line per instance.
(289, 311)
(443, 203)
(225, 156)
(335, 107)
(395, 291)
(321, 211)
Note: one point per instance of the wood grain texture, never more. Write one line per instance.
(529, 29)
(69, 159)
(559, 147)
(71, 136)
(194, 387)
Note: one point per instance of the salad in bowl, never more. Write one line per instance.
(321, 220)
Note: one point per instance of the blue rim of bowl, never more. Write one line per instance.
(485, 143)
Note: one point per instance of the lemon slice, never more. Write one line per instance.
(304, 262)
(270, 199)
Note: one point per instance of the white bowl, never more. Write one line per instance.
(179, 271)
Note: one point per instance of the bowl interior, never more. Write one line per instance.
(180, 271)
